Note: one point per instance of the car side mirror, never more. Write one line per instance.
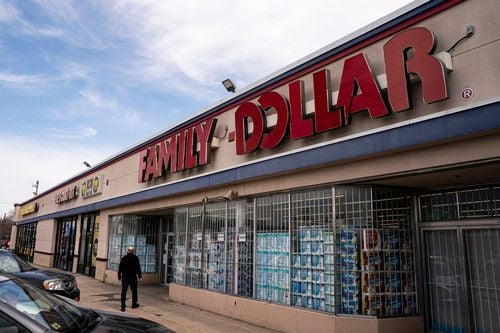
(9, 329)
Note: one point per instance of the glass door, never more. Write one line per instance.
(462, 279)
(65, 243)
(167, 241)
(88, 243)
(482, 248)
(446, 310)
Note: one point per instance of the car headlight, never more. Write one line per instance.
(53, 284)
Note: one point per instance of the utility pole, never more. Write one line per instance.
(35, 186)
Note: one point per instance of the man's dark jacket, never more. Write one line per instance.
(129, 267)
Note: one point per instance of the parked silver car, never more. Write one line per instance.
(27, 308)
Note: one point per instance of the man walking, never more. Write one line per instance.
(129, 273)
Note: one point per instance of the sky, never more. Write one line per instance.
(84, 80)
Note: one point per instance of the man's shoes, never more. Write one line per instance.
(122, 309)
(135, 306)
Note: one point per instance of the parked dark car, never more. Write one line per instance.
(27, 308)
(60, 283)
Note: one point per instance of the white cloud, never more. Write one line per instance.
(188, 48)
(183, 48)
(41, 83)
(90, 103)
(110, 107)
(71, 134)
(8, 13)
(71, 71)
(24, 161)
(11, 80)
(192, 46)
(12, 17)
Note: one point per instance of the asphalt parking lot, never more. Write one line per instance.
(155, 306)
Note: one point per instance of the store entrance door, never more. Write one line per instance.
(65, 243)
(167, 251)
(462, 279)
(88, 245)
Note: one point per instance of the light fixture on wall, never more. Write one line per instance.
(469, 31)
(229, 85)
(226, 128)
(228, 196)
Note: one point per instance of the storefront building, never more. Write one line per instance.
(357, 190)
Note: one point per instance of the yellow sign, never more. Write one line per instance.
(91, 186)
(28, 209)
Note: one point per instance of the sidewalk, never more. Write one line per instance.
(155, 306)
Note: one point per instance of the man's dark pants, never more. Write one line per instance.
(132, 282)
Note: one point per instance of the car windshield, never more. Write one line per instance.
(47, 309)
(10, 263)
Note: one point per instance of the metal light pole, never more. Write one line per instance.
(35, 186)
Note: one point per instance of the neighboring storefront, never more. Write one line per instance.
(356, 190)
(25, 241)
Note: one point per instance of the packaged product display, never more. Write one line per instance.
(272, 271)
(193, 274)
(218, 261)
(145, 252)
(179, 263)
(388, 281)
(312, 270)
(245, 266)
(349, 271)
(216, 266)
(349, 263)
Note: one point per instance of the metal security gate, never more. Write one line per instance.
(462, 279)
(483, 252)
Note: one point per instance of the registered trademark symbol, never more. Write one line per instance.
(466, 94)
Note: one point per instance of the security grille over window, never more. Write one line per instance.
(216, 239)
(220, 247)
(313, 282)
(345, 250)
(392, 215)
(353, 217)
(140, 232)
(25, 240)
(273, 249)
(460, 204)
(194, 245)
(241, 216)
(179, 259)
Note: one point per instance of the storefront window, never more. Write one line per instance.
(141, 232)
(240, 215)
(313, 237)
(375, 256)
(342, 250)
(216, 240)
(179, 260)
(194, 246)
(25, 241)
(459, 204)
(272, 261)
(219, 247)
